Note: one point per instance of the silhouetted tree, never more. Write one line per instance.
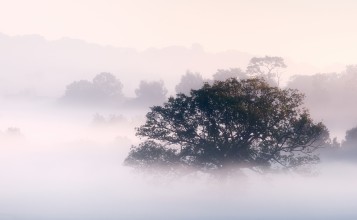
(189, 81)
(247, 123)
(269, 68)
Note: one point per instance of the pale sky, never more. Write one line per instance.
(320, 32)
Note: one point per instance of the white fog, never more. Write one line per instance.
(62, 164)
(80, 138)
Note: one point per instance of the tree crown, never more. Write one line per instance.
(233, 123)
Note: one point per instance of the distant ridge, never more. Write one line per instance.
(30, 62)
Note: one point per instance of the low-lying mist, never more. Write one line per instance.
(67, 163)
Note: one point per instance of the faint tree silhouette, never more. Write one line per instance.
(224, 74)
(150, 93)
(189, 81)
(105, 89)
(350, 138)
(267, 67)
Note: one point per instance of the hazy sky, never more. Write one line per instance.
(316, 31)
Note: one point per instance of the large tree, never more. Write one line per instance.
(230, 124)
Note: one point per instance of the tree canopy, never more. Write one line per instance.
(229, 124)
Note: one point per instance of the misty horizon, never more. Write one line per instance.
(84, 60)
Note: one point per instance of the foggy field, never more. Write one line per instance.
(178, 110)
(63, 166)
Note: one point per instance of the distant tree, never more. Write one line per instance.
(13, 131)
(345, 151)
(112, 119)
(266, 67)
(107, 87)
(230, 125)
(104, 89)
(98, 119)
(332, 91)
(79, 91)
(350, 138)
(151, 93)
(189, 81)
(318, 88)
(224, 74)
(334, 143)
(348, 82)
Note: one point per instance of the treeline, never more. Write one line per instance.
(106, 89)
(329, 96)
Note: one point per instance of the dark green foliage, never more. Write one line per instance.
(229, 124)
(150, 153)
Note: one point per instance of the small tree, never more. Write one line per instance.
(230, 124)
